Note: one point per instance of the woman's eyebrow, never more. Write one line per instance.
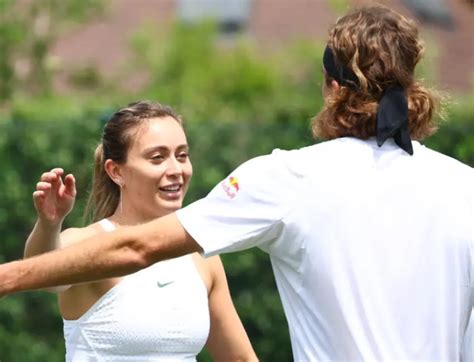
(163, 148)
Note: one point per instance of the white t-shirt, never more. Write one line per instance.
(372, 249)
(468, 353)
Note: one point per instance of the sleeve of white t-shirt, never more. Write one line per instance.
(246, 208)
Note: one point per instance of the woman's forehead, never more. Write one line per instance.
(164, 131)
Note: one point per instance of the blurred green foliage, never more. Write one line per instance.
(237, 103)
(28, 30)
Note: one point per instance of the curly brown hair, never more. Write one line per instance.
(382, 48)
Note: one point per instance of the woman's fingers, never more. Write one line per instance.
(49, 176)
(43, 186)
(38, 195)
(52, 180)
(38, 200)
(58, 171)
(70, 185)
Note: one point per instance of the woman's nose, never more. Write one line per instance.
(174, 167)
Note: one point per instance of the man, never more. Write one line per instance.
(370, 234)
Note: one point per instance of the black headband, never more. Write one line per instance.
(392, 112)
(343, 75)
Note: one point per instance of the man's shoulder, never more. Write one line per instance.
(316, 148)
(443, 162)
(446, 173)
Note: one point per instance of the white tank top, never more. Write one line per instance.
(157, 314)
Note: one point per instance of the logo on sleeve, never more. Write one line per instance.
(231, 186)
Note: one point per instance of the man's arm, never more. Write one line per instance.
(104, 255)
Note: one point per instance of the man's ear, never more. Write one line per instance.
(114, 171)
(335, 85)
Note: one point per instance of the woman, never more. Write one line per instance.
(168, 311)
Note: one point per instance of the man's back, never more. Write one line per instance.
(386, 262)
(372, 249)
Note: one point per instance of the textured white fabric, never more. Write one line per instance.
(157, 314)
(372, 249)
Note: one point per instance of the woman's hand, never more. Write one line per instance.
(54, 198)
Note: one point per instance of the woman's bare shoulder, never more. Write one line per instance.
(72, 236)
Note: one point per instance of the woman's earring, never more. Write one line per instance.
(120, 201)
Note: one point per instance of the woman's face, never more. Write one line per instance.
(158, 170)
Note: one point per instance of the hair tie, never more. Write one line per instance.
(392, 118)
(339, 72)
